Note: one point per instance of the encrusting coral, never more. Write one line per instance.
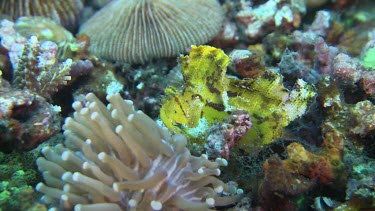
(26, 119)
(303, 171)
(256, 21)
(137, 31)
(44, 28)
(116, 158)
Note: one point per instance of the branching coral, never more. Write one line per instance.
(116, 158)
(37, 69)
(42, 63)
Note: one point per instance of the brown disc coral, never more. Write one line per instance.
(136, 31)
(64, 12)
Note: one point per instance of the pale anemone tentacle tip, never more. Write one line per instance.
(95, 168)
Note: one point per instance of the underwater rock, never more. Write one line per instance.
(26, 119)
(229, 36)
(346, 69)
(303, 172)
(222, 136)
(324, 56)
(248, 63)
(364, 115)
(280, 185)
(257, 21)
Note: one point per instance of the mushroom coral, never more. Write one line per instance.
(64, 12)
(137, 31)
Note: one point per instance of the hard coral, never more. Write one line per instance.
(222, 136)
(38, 70)
(116, 158)
(64, 12)
(279, 185)
(248, 63)
(26, 119)
(137, 31)
(303, 171)
(346, 69)
(364, 117)
(44, 28)
(257, 21)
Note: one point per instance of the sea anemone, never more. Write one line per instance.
(115, 158)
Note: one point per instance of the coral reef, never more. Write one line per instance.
(303, 171)
(248, 63)
(26, 119)
(64, 12)
(209, 96)
(37, 69)
(288, 115)
(354, 122)
(43, 67)
(44, 29)
(144, 30)
(263, 18)
(222, 136)
(18, 175)
(359, 194)
(145, 86)
(118, 158)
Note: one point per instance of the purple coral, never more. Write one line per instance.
(223, 136)
(48, 53)
(26, 119)
(346, 69)
(256, 21)
(324, 55)
(321, 23)
(11, 41)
